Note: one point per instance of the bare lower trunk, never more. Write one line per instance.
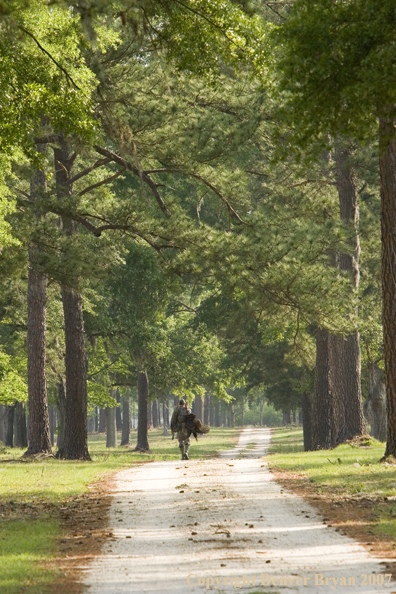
(20, 433)
(111, 426)
(142, 436)
(217, 414)
(61, 417)
(388, 218)
(375, 405)
(165, 416)
(149, 415)
(76, 440)
(126, 420)
(2, 422)
(206, 415)
(102, 420)
(307, 422)
(345, 367)
(39, 435)
(261, 411)
(322, 404)
(51, 414)
(9, 438)
(232, 415)
(118, 410)
(154, 408)
(198, 407)
(286, 417)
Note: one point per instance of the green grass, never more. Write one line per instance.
(28, 541)
(347, 470)
(23, 547)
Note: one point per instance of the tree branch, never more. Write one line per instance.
(48, 139)
(50, 57)
(143, 175)
(203, 180)
(98, 163)
(101, 183)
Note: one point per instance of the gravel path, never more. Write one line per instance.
(229, 526)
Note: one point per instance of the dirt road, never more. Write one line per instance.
(224, 525)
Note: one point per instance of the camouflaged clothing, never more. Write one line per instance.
(178, 425)
(178, 421)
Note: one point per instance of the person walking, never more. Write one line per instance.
(178, 426)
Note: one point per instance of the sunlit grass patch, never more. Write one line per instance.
(346, 471)
(23, 546)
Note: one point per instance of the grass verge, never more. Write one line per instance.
(355, 492)
(52, 511)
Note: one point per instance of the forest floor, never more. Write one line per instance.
(225, 524)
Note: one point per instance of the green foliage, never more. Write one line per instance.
(12, 386)
(42, 75)
(337, 61)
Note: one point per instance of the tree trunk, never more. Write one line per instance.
(96, 428)
(307, 422)
(126, 420)
(206, 418)
(51, 414)
(199, 407)
(39, 434)
(91, 425)
(20, 433)
(348, 419)
(217, 413)
(61, 414)
(142, 436)
(166, 415)
(387, 143)
(2, 424)
(102, 420)
(149, 415)
(286, 417)
(261, 411)
(155, 413)
(375, 405)
(232, 414)
(76, 441)
(322, 404)
(243, 412)
(111, 426)
(9, 438)
(118, 410)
